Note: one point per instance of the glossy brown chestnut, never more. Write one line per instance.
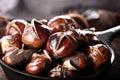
(38, 63)
(81, 38)
(98, 54)
(62, 23)
(76, 61)
(17, 57)
(92, 38)
(61, 45)
(15, 27)
(10, 41)
(80, 20)
(35, 34)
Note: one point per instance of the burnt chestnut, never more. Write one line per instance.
(80, 20)
(61, 45)
(77, 60)
(98, 54)
(10, 41)
(38, 63)
(62, 23)
(35, 34)
(15, 27)
(17, 57)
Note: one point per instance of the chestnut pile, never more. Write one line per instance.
(55, 48)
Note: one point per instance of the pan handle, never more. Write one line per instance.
(107, 34)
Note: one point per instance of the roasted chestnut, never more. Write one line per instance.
(39, 63)
(17, 57)
(61, 45)
(82, 40)
(92, 38)
(80, 20)
(15, 27)
(35, 34)
(98, 55)
(59, 71)
(10, 41)
(43, 21)
(62, 23)
(76, 61)
(56, 71)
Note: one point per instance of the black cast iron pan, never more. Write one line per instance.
(104, 36)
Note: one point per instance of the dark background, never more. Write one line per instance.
(47, 9)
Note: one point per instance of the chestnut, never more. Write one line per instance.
(74, 74)
(98, 54)
(61, 23)
(80, 20)
(17, 57)
(92, 38)
(68, 65)
(81, 38)
(38, 63)
(15, 27)
(43, 21)
(35, 34)
(10, 41)
(61, 45)
(76, 61)
(56, 71)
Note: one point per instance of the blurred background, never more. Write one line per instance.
(46, 9)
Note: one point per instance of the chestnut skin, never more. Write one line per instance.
(77, 60)
(98, 54)
(61, 23)
(35, 34)
(92, 38)
(61, 45)
(17, 57)
(80, 20)
(59, 71)
(81, 38)
(15, 27)
(10, 41)
(38, 63)
(56, 71)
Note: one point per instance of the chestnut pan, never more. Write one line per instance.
(104, 36)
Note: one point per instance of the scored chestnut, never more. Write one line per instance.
(56, 71)
(10, 41)
(35, 34)
(61, 23)
(82, 39)
(15, 27)
(38, 63)
(61, 45)
(17, 57)
(76, 61)
(98, 54)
